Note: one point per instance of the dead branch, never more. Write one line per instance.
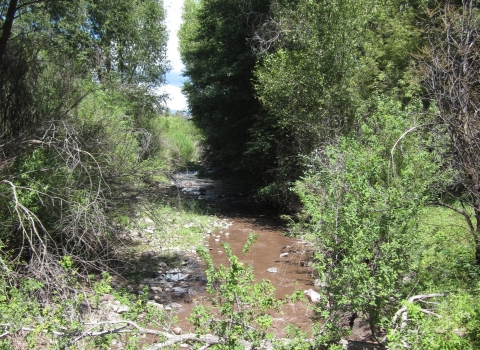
(399, 139)
(126, 326)
(402, 313)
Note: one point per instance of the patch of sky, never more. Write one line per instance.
(175, 79)
(176, 100)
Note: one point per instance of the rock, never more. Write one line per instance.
(175, 277)
(283, 255)
(184, 346)
(106, 297)
(168, 308)
(122, 309)
(177, 330)
(319, 283)
(116, 302)
(162, 264)
(175, 305)
(156, 305)
(156, 289)
(179, 291)
(147, 254)
(313, 296)
(272, 270)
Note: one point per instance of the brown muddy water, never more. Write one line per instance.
(283, 260)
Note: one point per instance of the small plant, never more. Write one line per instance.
(241, 306)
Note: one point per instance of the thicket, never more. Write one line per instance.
(369, 116)
(79, 122)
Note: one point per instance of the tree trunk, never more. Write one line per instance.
(476, 235)
(7, 27)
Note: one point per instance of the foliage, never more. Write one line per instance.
(241, 304)
(322, 75)
(176, 140)
(362, 208)
(219, 66)
(76, 87)
(450, 66)
(455, 325)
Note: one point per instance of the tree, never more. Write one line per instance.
(121, 43)
(219, 65)
(365, 218)
(452, 69)
(69, 128)
(325, 66)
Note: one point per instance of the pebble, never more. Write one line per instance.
(122, 309)
(156, 305)
(184, 346)
(179, 290)
(177, 330)
(174, 305)
(107, 297)
(168, 308)
(272, 270)
(156, 289)
(283, 255)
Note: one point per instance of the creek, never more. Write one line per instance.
(283, 260)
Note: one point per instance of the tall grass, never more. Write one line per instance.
(176, 141)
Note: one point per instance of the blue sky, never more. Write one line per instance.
(177, 100)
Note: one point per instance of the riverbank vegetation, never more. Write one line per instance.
(362, 118)
(82, 139)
